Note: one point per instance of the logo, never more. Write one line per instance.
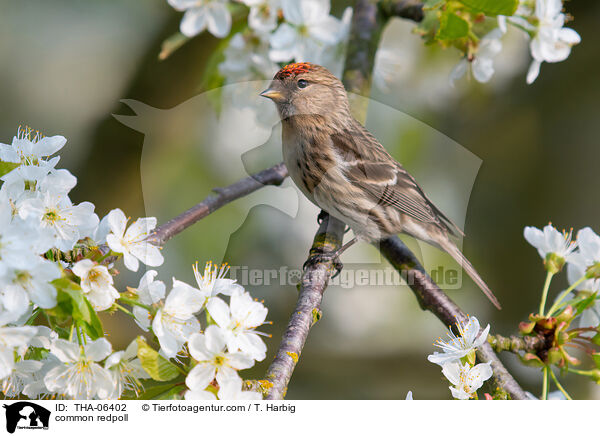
(26, 415)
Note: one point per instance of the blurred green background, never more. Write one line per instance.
(67, 64)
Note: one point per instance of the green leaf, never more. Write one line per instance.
(491, 8)
(7, 167)
(71, 302)
(452, 27)
(171, 394)
(585, 303)
(159, 391)
(158, 367)
(93, 328)
(596, 357)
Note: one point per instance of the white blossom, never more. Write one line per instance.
(20, 285)
(79, 376)
(208, 350)
(203, 14)
(13, 339)
(36, 388)
(174, 323)
(519, 18)
(14, 304)
(231, 389)
(456, 347)
(482, 65)
(29, 150)
(43, 337)
(589, 246)
(247, 58)
(550, 241)
(101, 231)
(29, 181)
(263, 14)
(587, 255)
(552, 42)
(126, 370)
(19, 243)
(394, 64)
(466, 379)
(57, 217)
(238, 321)
(96, 284)
(149, 292)
(213, 281)
(21, 376)
(132, 243)
(308, 30)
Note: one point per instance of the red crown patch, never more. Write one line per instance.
(293, 69)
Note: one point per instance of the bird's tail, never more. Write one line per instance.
(453, 250)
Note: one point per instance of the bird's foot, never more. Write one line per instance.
(317, 257)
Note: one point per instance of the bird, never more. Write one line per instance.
(343, 169)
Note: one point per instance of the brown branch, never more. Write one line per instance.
(307, 311)
(271, 176)
(409, 9)
(368, 22)
(433, 299)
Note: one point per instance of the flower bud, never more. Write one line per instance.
(526, 327)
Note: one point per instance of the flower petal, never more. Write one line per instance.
(200, 376)
(117, 222)
(193, 22)
(219, 311)
(219, 20)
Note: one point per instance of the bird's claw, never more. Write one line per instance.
(321, 217)
(323, 257)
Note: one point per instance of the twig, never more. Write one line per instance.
(368, 22)
(433, 299)
(271, 176)
(307, 311)
(515, 344)
(409, 9)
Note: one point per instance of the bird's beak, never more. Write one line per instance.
(272, 94)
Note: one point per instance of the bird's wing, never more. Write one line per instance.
(387, 181)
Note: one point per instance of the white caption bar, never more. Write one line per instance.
(291, 417)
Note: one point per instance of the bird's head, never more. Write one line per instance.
(307, 89)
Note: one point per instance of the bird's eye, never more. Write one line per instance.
(302, 83)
